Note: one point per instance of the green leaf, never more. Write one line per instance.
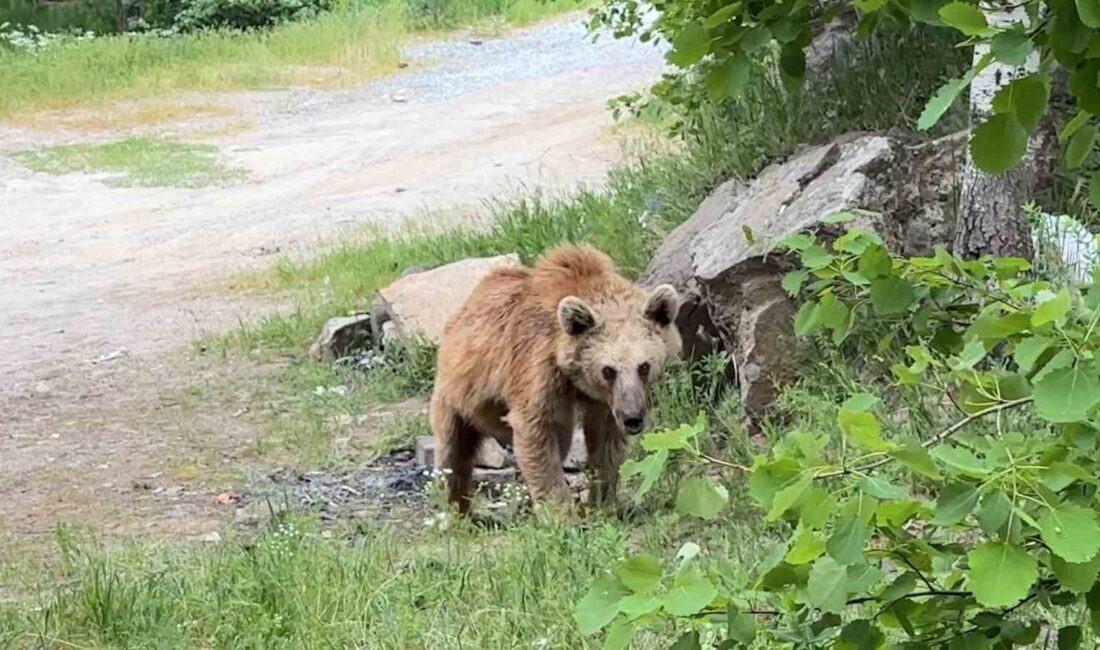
(1026, 98)
(1011, 48)
(649, 468)
(862, 577)
(640, 573)
(860, 402)
(847, 542)
(1053, 309)
(927, 11)
(792, 282)
(619, 635)
(965, 17)
(860, 635)
(961, 460)
(942, 100)
(1066, 395)
(1077, 577)
(807, 547)
(636, 605)
(756, 39)
(1082, 118)
(999, 143)
(916, 458)
(1071, 532)
(702, 497)
(722, 15)
(954, 503)
(688, 641)
(863, 430)
(815, 257)
(994, 511)
(808, 318)
(728, 79)
(891, 295)
(1028, 351)
(1001, 574)
(600, 605)
(881, 488)
(875, 262)
(740, 626)
(970, 355)
(1094, 190)
(691, 593)
(1080, 146)
(787, 497)
(1069, 636)
(1083, 85)
(1089, 11)
(690, 45)
(827, 587)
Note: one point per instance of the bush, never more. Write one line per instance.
(242, 14)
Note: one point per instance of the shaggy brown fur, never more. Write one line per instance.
(531, 349)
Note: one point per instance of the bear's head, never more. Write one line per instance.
(615, 345)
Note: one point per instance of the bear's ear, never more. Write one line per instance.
(662, 305)
(575, 316)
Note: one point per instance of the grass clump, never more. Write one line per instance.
(351, 43)
(136, 161)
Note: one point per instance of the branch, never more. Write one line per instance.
(936, 439)
(723, 463)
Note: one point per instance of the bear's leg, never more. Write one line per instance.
(536, 440)
(456, 444)
(607, 447)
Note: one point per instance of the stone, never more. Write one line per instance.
(672, 264)
(420, 304)
(425, 451)
(491, 455)
(722, 258)
(342, 335)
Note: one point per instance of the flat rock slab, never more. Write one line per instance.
(420, 304)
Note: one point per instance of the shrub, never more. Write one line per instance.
(196, 15)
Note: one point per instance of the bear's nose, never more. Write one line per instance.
(634, 424)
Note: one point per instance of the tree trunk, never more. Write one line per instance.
(991, 220)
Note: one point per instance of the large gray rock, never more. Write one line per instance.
(723, 257)
(420, 304)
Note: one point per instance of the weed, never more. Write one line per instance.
(136, 161)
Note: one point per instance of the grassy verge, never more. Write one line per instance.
(136, 162)
(350, 44)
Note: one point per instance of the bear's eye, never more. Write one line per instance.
(609, 373)
(643, 370)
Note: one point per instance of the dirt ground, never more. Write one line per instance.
(102, 287)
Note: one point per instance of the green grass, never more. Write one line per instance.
(136, 162)
(346, 45)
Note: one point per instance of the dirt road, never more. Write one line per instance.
(98, 282)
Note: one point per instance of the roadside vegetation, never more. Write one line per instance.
(136, 162)
(345, 43)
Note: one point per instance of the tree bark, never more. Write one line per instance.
(991, 220)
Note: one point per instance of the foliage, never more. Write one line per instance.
(244, 14)
(971, 536)
(720, 43)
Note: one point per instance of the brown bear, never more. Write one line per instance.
(534, 348)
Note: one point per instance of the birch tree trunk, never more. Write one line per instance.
(991, 220)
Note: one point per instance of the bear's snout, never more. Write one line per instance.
(634, 422)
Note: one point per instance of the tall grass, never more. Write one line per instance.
(350, 43)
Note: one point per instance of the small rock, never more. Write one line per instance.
(342, 335)
(42, 388)
(226, 498)
(491, 455)
(399, 98)
(425, 451)
(211, 538)
(476, 41)
(104, 358)
(402, 65)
